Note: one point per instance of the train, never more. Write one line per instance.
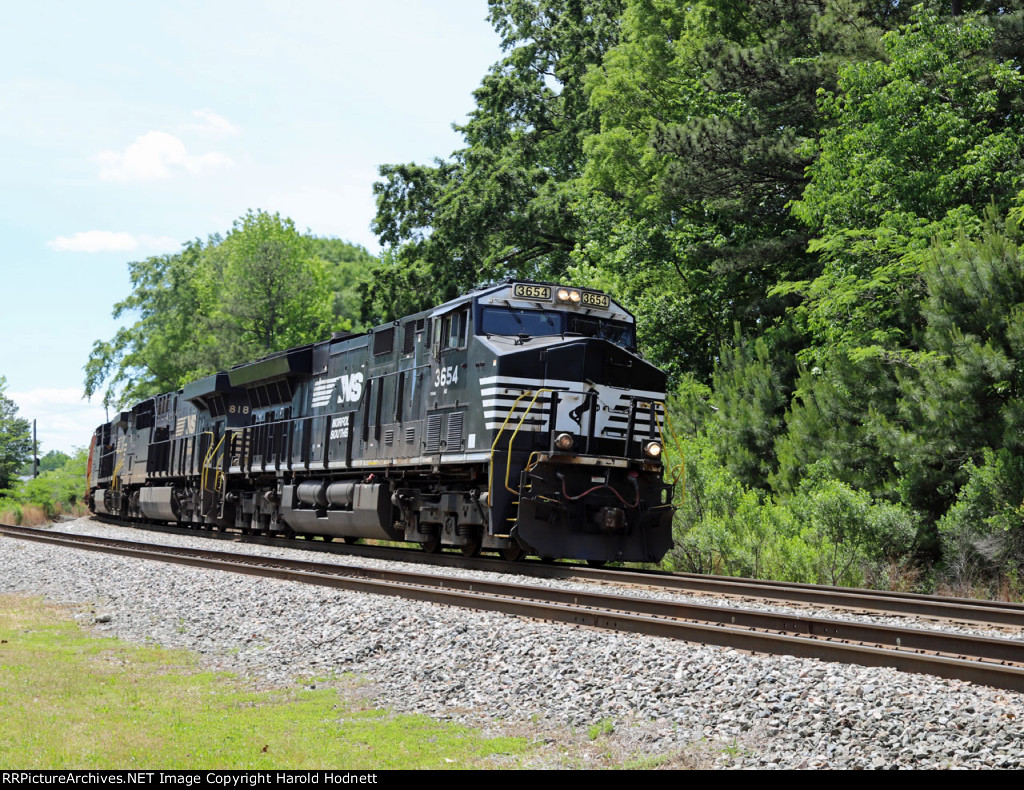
(517, 419)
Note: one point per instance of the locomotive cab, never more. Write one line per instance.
(575, 420)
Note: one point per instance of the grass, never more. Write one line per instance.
(70, 700)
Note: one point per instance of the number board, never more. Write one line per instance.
(595, 300)
(532, 291)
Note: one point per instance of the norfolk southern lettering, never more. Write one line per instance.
(517, 419)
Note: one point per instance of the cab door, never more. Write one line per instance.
(448, 390)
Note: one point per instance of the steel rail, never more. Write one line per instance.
(994, 662)
(967, 610)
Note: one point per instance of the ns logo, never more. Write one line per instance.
(350, 388)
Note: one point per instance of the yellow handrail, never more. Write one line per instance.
(206, 460)
(512, 438)
(490, 465)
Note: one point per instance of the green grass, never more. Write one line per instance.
(70, 700)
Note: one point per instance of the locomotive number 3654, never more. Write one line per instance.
(445, 376)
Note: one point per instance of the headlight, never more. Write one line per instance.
(652, 450)
(568, 295)
(563, 441)
(574, 297)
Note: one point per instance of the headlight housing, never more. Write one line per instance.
(568, 296)
(564, 441)
(652, 449)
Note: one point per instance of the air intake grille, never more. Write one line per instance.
(454, 437)
(433, 444)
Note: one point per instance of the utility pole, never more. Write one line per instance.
(35, 451)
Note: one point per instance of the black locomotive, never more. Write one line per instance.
(518, 419)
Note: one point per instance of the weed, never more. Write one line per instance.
(604, 727)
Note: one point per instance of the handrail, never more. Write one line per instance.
(680, 470)
(501, 430)
(508, 460)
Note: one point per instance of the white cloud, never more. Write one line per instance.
(109, 241)
(213, 125)
(155, 155)
(64, 420)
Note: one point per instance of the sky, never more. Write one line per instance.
(127, 129)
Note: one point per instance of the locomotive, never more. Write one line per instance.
(517, 419)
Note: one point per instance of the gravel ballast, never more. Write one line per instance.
(688, 704)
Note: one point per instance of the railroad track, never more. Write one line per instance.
(984, 660)
(845, 599)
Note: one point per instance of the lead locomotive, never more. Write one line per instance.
(518, 418)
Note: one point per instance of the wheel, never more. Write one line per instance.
(350, 540)
(432, 544)
(471, 548)
(513, 553)
(596, 563)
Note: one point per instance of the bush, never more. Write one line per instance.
(54, 492)
(828, 533)
(982, 534)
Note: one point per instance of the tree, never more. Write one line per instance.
(163, 347)
(262, 290)
(350, 269)
(503, 204)
(918, 145)
(15, 439)
(706, 110)
(965, 394)
(217, 303)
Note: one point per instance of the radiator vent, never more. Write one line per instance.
(433, 443)
(454, 437)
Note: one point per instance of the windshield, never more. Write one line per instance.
(510, 321)
(536, 323)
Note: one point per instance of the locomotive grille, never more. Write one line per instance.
(384, 341)
(433, 443)
(454, 437)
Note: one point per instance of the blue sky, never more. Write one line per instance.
(129, 128)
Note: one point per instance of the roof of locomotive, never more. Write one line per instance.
(514, 292)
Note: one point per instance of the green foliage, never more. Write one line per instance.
(15, 439)
(918, 144)
(53, 460)
(751, 399)
(724, 527)
(159, 351)
(829, 534)
(966, 391)
(846, 531)
(982, 534)
(56, 488)
(831, 426)
(502, 204)
(350, 269)
(262, 288)
(706, 110)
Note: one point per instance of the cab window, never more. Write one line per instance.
(454, 329)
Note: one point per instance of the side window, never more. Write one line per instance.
(454, 329)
